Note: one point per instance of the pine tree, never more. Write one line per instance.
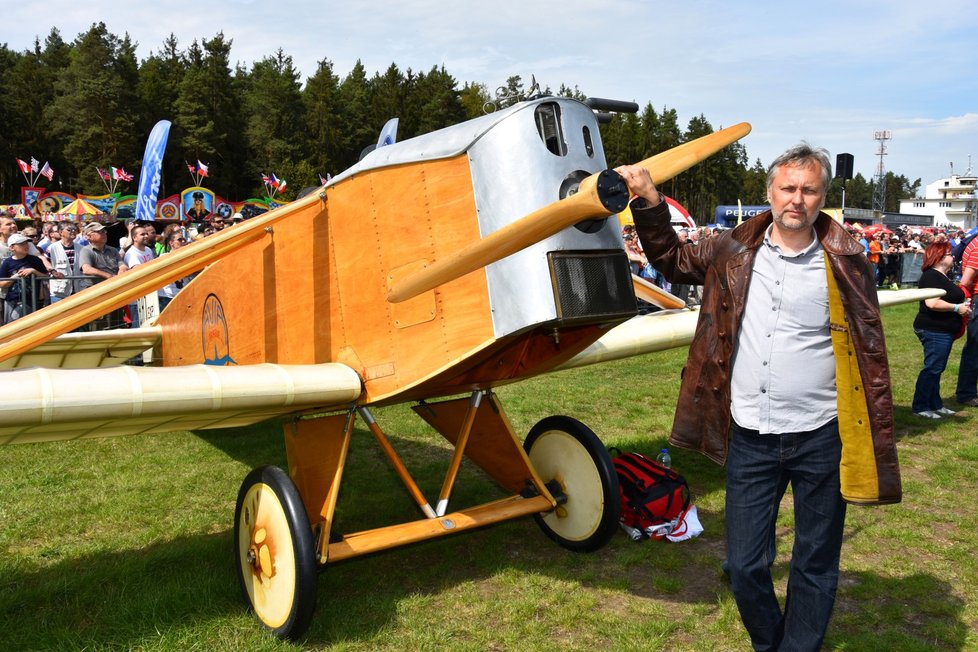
(320, 97)
(93, 112)
(275, 115)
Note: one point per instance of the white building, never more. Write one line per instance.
(952, 202)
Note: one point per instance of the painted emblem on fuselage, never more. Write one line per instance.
(214, 333)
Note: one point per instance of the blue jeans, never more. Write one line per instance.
(968, 371)
(759, 469)
(937, 349)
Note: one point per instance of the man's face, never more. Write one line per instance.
(97, 238)
(68, 234)
(140, 236)
(8, 227)
(20, 249)
(796, 196)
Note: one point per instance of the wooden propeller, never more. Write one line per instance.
(553, 218)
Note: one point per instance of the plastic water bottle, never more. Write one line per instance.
(633, 532)
(664, 458)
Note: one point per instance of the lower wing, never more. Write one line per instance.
(57, 404)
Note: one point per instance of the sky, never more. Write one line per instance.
(833, 73)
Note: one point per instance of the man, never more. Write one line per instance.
(967, 389)
(101, 261)
(786, 383)
(21, 264)
(875, 250)
(142, 251)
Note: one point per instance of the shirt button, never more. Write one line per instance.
(763, 391)
(774, 307)
(764, 363)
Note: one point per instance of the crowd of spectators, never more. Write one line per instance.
(43, 262)
(885, 248)
(691, 294)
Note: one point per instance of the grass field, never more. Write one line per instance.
(126, 543)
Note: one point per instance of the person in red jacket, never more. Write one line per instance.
(967, 389)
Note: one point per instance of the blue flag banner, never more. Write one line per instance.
(149, 175)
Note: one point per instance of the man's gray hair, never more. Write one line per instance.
(803, 154)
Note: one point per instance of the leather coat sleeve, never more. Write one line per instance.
(679, 263)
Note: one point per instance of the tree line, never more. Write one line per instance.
(91, 103)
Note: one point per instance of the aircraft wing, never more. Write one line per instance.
(57, 404)
(86, 350)
(674, 328)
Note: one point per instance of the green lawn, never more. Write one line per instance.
(126, 543)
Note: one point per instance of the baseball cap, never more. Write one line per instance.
(18, 238)
(94, 226)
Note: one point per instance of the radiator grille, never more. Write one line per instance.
(592, 286)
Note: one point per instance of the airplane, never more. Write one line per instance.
(433, 271)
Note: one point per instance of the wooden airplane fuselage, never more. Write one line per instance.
(314, 289)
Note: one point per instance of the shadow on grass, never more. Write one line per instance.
(254, 445)
(122, 598)
(915, 612)
(135, 597)
(908, 425)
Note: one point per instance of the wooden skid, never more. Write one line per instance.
(362, 543)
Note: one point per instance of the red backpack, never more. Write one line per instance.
(652, 495)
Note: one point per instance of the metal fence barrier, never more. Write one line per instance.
(33, 288)
(902, 269)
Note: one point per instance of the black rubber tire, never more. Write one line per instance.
(564, 449)
(269, 507)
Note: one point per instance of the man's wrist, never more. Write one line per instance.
(643, 202)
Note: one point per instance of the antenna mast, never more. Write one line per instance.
(879, 189)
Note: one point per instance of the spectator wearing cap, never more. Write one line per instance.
(21, 264)
(8, 227)
(237, 218)
(100, 261)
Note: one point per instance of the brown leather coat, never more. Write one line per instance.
(723, 265)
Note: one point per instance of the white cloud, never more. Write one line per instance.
(833, 72)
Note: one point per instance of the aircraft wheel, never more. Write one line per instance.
(564, 450)
(275, 552)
